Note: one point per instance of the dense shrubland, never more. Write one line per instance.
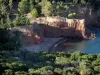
(42, 63)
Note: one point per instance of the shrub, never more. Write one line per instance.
(46, 70)
(58, 71)
(76, 55)
(16, 66)
(88, 57)
(21, 73)
(20, 20)
(16, 20)
(62, 60)
(23, 6)
(8, 72)
(71, 14)
(34, 13)
(8, 22)
(97, 69)
(85, 68)
(96, 62)
(46, 7)
(69, 71)
(23, 20)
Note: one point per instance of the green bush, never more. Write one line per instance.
(96, 62)
(23, 6)
(85, 68)
(62, 60)
(8, 22)
(21, 73)
(97, 69)
(71, 14)
(8, 72)
(24, 20)
(76, 55)
(69, 71)
(46, 70)
(58, 71)
(46, 7)
(34, 13)
(21, 20)
(16, 66)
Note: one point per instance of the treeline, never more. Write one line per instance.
(42, 63)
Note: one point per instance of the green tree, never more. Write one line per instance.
(46, 7)
(85, 68)
(32, 4)
(8, 22)
(8, 72)
(5, 10)
(5, 7)
(58, 71)
(34, 13)
(23, 6)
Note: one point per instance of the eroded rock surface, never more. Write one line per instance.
(53, 27)
(67, 28)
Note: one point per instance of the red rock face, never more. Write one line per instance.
(71, 28)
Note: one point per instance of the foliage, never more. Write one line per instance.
(8, 72)
(21, 73)
(46, 7)
(63, 60)
(34, 13)
(5, 10)
(33, 4)
(16, 66)
(58, 71)
(20, 20)
(46, 70)
(85, 68)
(48, 63)
(8, 22)
(71, 14)
(23, 6)
(5, 7)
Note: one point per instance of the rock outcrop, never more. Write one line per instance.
(68, 28)
(56, 27)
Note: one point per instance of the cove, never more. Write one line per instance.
(75, 44)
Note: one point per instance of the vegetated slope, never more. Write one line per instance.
(42, 63)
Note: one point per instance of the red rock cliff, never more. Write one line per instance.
(70, 28)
